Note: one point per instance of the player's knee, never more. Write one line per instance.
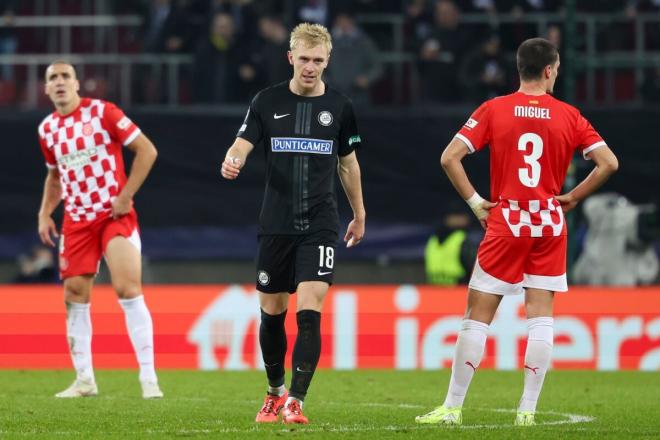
(273, 308)
(310, 302)
(481, 314)
(128, 290)
(538, 309)
(76, 291)
(73, 295)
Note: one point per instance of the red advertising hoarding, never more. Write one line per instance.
(363, 326)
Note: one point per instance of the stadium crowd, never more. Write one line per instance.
(239, 45)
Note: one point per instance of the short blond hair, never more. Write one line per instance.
(310, 35)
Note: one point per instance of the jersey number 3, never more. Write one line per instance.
(530, 176)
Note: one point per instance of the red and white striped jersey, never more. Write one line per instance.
(86, 147)
(532, 140)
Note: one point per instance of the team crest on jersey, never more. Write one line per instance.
(471, 123)
(263, 278)
(325, 118)
(87, 129)
(124, 123)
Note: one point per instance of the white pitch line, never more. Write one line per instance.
(570, 419)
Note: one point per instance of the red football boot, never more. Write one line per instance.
(292, 413)
(271, 409)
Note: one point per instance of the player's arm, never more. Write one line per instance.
(451, 161)
(235, 158)
(348, 169)
(51, 198)
(145, 156)
(606, 165)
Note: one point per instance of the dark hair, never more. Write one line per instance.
(61, 61)
(532, 57)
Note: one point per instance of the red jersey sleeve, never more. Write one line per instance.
(120, 127)
(476, 131)
(51, 162)
(587, 138)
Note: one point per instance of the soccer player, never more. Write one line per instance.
(306, 130)
(82, 144)
(532, 138)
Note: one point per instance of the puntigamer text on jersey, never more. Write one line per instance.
(300, 145)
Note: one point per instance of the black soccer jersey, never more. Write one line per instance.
(301, 137)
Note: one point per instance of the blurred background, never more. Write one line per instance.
(185, 71)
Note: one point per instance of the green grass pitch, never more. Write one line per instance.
(341, 404)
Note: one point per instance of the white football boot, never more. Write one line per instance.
(151, 390)
(79, 388)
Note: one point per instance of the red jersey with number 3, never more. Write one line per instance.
(86, 148)
(532, 140)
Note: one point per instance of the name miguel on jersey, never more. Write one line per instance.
(528, 111)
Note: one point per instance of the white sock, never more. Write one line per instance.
(79, 335)
(291, 399)
(141, 331)
(537, 360)
(469, 351)
(277, 391)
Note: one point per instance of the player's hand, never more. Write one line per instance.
(354, 233)
(567, 201)
(482, 212)
(120, 206)
(47, 230)
(231, 167)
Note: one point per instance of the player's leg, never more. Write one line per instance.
(122, 254)
(545, 273)
(272, 339)
(274, 281)
(79, 254)
(315, 259)
(77, 291)
(470, 346)
(498, 271)
(307, 348)
(538, 355)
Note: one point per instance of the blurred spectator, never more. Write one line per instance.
(272, 63)
(313, 11)
(514, 33)
(37, 267)
(326, 11)
(651, 29)
(478, 6)
(616, 35)
(602, 5)
(355, 64)
(223, 73)
(615, 253)
(168, 27)
(524, 6)
(8, 40)
(651, 86)
(242, 14)
(451, 252)
(554, 36)
(418, 23)
(439, 53)
(484, 71)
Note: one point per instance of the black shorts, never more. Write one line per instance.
(283, 261)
